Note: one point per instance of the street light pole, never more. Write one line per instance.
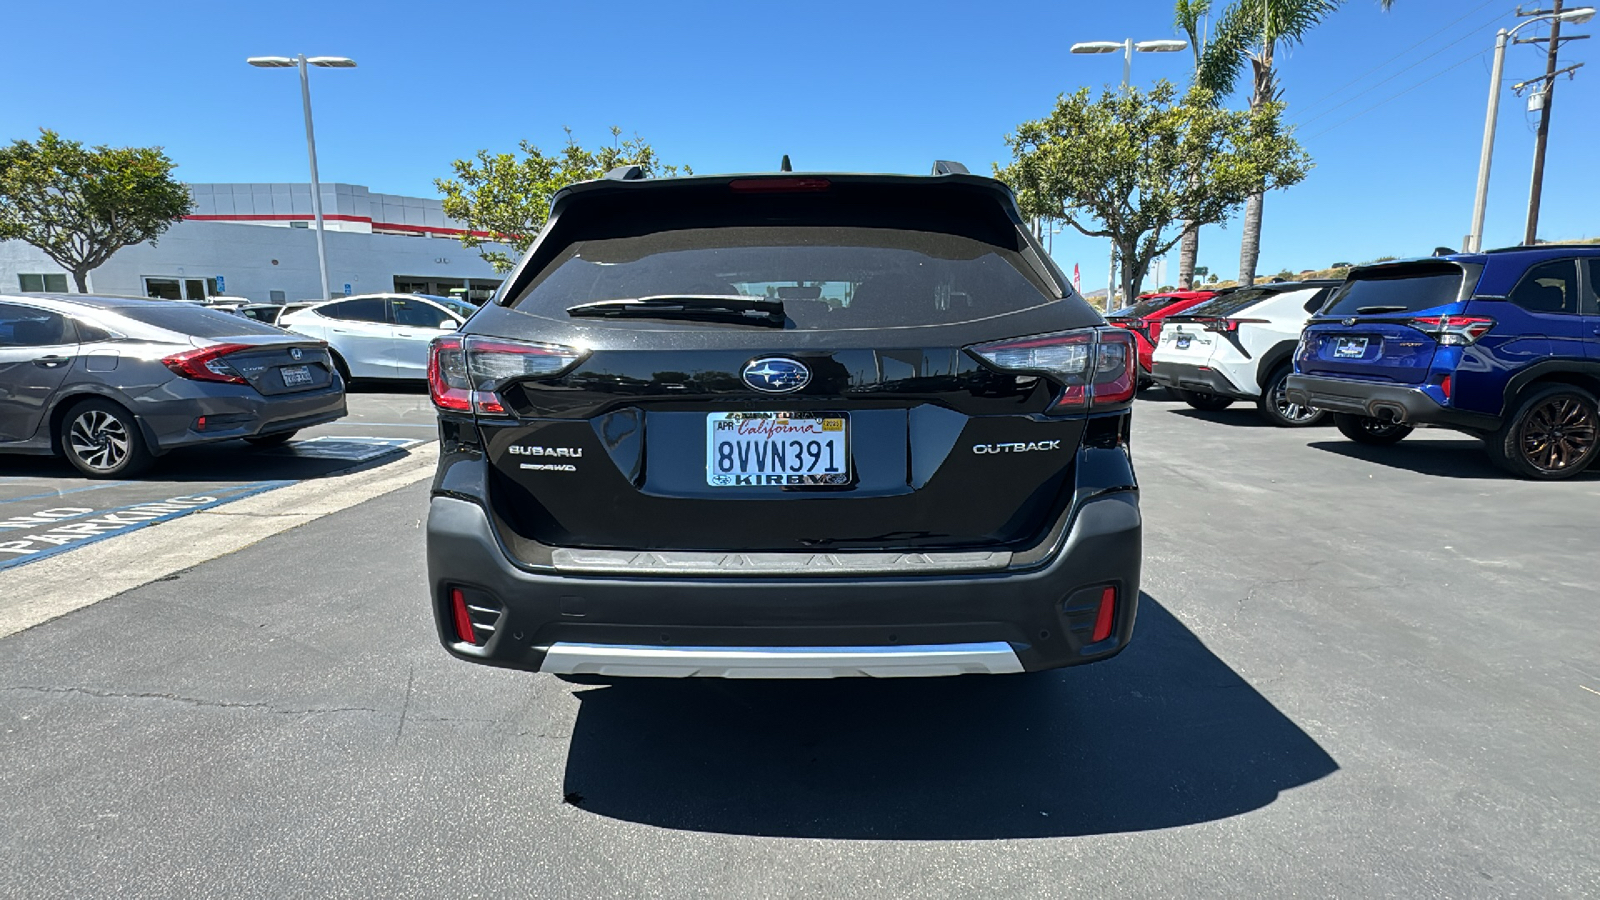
(1127, 46)
(1474, 242)
(300, 62)
(1480, 201)
(316, 183)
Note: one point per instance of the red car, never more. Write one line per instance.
(1144, 320)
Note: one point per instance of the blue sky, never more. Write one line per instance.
(1390, 105)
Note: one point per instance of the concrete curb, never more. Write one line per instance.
(44, 590)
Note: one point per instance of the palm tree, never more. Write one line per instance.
(1189, 14)
(1252, 30)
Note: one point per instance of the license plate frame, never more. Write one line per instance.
(295, 376)
(758, 430)
(1349, 347)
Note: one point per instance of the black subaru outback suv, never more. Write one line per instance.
(784, 426)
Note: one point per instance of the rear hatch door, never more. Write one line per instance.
(1370, 328)
(784, 371)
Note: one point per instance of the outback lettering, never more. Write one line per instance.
(1016, 447)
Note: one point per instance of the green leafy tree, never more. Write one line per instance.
(1250, 31)
(507, 196)
(1130, 166)
(81, 205)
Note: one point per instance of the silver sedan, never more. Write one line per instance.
(111, 383)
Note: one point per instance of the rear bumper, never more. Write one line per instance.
(872, 625)
(1408, 404)
(1193, 377)
(231, 411)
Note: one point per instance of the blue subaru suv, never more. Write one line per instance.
(1504, 345)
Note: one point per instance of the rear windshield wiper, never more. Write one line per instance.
(741, 309)
(1374, 310)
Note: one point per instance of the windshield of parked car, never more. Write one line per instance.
(195, 321)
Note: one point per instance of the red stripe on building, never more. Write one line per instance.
(336, 217)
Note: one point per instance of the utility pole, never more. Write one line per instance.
(1530, 235)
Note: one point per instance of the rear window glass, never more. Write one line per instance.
(1231, 302)
(1143, 308)
(1401, 289)
(840, 259)
(195, 321)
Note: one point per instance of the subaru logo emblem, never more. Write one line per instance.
(776, 375)
(295, 353)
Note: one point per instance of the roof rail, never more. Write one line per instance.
(625, 173)
(946, 167)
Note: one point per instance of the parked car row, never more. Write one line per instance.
(1503, 345)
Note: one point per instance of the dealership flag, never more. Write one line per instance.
(1077, 284)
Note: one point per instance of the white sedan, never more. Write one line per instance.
(379, 335)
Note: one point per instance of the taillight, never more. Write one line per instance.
(465, 372)
(206, 364)
(779, 185)
(1453, 331)
(1228, 326)
(1094, 366)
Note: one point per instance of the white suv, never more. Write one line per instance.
(1240, 345)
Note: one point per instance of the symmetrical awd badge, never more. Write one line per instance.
(776, 375)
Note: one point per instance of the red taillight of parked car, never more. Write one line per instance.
(466, 373)
(1095, 366)
(1453, 331)
(207, 364)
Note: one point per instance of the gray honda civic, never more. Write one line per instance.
(111, 383)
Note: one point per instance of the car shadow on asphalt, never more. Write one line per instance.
(1164, 735)
(1446, 459)
(228, 461)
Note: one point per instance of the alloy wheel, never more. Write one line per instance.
(1559, 434)
(99, 439)
(1288, 409)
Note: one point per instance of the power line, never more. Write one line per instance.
(1476, 55)
(1335, 92)
(1467, 36)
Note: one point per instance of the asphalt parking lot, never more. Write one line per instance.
(1356, 672)
(47, 508)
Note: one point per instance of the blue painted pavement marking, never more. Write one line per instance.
(77, 490)
(65, 528)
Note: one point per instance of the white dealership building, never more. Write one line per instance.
(256, 241)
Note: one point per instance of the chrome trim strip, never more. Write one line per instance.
(684, 562)
(910, 661)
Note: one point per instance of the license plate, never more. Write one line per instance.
(295, 375)
(749, 449)
(1350, 347)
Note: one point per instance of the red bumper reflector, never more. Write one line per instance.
(1103, 619)
(458, 604)
(1444, 386)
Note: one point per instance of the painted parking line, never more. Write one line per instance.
(46, 532)
(41, 533)
(429, 425)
